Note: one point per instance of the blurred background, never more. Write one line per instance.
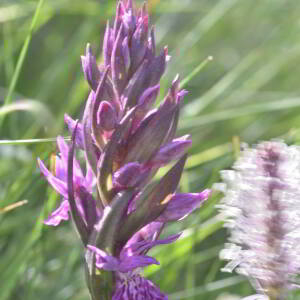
(249, 92)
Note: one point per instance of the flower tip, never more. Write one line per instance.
(185, 138)
(180, 95)
(120, 9)
(167, 56)
(129, 4)
(173, 238)
(176, 79)
(52, 221)
(42, 167)
(67, 118)
(206, 194)
(175, 85)
(88, 52)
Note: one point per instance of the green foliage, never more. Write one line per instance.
(250, 90)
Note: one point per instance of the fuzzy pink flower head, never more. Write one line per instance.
(262, 205)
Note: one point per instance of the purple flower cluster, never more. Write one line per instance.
(118, 211)
(262, 205)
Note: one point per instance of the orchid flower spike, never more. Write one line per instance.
(124, 140)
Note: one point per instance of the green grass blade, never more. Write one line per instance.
(240, 112)
(188, 78)
(210, 287)
(21, 59)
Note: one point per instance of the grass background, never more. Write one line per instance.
(248, 93)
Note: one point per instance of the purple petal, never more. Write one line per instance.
(129, 22)
(106, 116)
(171, 151)
(175, 95)
(256, 297)
(150, 135)
(60, 169)
(107, 44)
(137, 287)
(95, 104)
(90, 68)
(125, 53)
(149, 232)
(89, 178)
(118, 20)
(181, 205)
(180, 95)
(57, 184)
(148, 74)
(137, 261)
(127, 175)
(151, 205)
(61, 213)
(139, 44)
(79, 134)
(144, 246)
(103, 260)
(88, 142)
(148, 97)
(118, 68)
(64, 149)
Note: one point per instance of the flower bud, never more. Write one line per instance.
(90, 68)
(106, 116)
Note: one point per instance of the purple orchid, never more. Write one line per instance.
(118, 214)
(129, 283)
